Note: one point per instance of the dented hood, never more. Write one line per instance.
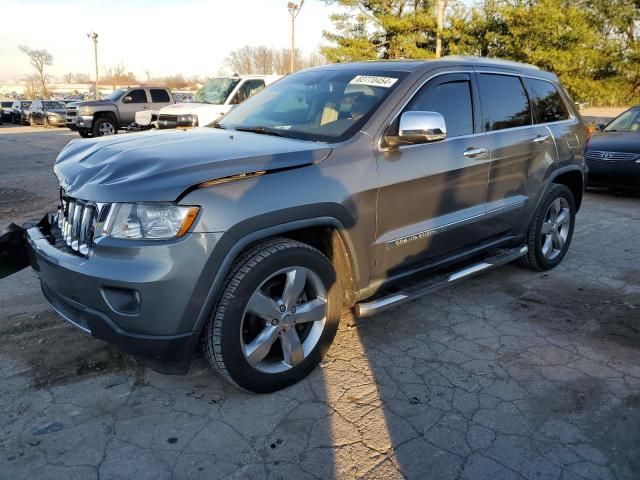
(160, 166)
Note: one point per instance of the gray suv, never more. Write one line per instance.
(98, 118)
(360, 185)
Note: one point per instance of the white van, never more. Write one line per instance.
(216, 97)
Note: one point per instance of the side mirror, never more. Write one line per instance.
(600, 126)
(418, 127)
(127, 99)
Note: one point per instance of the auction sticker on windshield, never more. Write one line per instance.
(373, 81)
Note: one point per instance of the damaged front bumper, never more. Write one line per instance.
(138, 299)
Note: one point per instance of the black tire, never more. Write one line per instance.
(85, 133)
(222, 336)
(535, 258)
(99, 124)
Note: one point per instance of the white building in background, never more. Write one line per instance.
(56, 89)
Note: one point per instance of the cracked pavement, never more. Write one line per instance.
(513, 374)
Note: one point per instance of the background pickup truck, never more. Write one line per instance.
(214, 99)
(97, 118)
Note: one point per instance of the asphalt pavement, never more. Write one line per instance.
(513, 374)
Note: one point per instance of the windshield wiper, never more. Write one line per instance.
(262, 130)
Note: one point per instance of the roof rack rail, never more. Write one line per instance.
(495, 61)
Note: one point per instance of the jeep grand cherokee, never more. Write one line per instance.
(361, 185)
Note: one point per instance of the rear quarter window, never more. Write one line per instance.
(546, 102)
(504, 101)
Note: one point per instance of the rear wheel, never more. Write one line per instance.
(104, 126)
(276, 317)
(551, 230)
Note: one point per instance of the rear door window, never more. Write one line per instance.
(159, 95)
(546, 102)
(450, 96)
(505, 103)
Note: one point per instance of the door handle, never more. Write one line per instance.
(474, 152)
(541, 138)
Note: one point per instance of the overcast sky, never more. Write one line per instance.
(163, 36)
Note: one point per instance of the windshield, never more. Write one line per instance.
(216, 90)
(7, 104)
(25, 104)
(325, 105)
(53, 105)
(114, 96)
(628, 121)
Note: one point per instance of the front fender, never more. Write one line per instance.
(234, 242)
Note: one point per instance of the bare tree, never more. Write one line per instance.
(264, 60)
(31, 86)
(39, 59)
(117, 75)
(76, 77)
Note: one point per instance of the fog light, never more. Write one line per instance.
(122, 300)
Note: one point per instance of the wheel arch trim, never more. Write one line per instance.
(569, 169)
(246, 240)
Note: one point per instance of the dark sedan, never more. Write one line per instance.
(48, 113)
(613, 153)
(21, 112)
(6, 111)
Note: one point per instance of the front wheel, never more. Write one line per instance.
(103, 127)
(276, 318)
(551, 230)
(85, 133)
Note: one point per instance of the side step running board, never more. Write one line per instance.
(366, 309)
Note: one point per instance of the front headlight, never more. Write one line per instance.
(140, 221)
(187, 120)
(84, 111)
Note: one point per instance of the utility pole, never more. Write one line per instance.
(440, 18)
(94, 36)
(294, 10)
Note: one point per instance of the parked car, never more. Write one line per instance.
(21, 112)
(214, 99)
(6, 111)
(48, 113)
(361, 185)
(98, 118)
(613, 153)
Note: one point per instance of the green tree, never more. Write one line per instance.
(388, 29)
(592, 45)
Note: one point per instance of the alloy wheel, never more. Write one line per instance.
(555, 228)
(283, 320)
(106, 129)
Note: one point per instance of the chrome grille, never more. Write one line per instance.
(611, 156)
(167, 121)
(72, 111)
(77, 220)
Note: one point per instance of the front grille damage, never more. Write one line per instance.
(77, 221)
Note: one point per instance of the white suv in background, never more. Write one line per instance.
(216, 97)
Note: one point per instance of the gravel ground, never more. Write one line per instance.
(513, 374)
